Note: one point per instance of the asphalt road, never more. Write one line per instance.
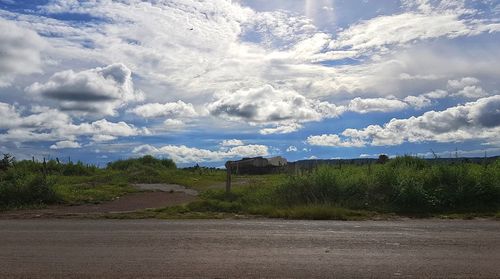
(249, 248)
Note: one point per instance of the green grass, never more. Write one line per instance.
(407, 186)
(27, 184)
(313, 212)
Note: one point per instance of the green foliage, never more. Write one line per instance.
(405, 185)
(77, 183)
(145, 169)
(138, 163)
(6, 162)
(53, 167)
(19, 188)
(382, 159)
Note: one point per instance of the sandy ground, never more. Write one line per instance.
(154, 196)
(249, 249)
(167, 188)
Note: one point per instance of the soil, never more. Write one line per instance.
(153, 196)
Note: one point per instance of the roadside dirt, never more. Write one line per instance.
(153, 196)
(167, 188)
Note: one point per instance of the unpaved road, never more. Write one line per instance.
(153, 196)
(162, 187)
(249, 248)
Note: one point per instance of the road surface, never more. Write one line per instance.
(249, 248)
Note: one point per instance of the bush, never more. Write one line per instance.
(137, 163)
(20, 189)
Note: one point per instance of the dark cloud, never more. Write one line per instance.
(95, 90)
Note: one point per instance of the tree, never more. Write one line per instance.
(382, 159)
(6, 162)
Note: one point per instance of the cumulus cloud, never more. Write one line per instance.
(467, 87)
(103, 138)
(223, 46)
(232, 142)
(266, 105)
(479, 120)
(184, 154)
(376, 104)
(461, 83)
(418, 102)
(19, 52)
(292, 148)
(333, 140)
(100, 90)
(65, 144)
(284, 128)
(173, 124)
(46, 124)
(177, 109)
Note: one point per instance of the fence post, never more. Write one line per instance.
(228, 177)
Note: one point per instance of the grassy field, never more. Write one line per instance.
(404, 186)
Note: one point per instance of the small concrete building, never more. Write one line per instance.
(257, 165)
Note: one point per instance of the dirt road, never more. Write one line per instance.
(152, 196)
(249, 248)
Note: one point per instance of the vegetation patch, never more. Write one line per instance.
(406, 186)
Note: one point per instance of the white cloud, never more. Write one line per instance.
(479, 120)
(284, 128)
(46, 124)
(104, 127)
(174, 124)
(103, 138)
(100, 90)
(232, 142)
(333, 140)
(436, 94)
(461, 83)
(428, 22)
(292, 148)
(467, 87)
(184, 154)
(376, 105)
(177, 109)
(269, 106)
(19, 52)
(280, 29)
(418, 102)
(472, 92)
(263, 64)
(65, 144)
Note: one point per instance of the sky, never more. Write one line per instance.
(210, 81)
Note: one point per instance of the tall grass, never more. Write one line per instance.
(405, 184)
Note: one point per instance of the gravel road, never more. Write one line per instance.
(249, 248)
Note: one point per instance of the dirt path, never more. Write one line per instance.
(152, 196)
(167, 188)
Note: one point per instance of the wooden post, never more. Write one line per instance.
(228, 177)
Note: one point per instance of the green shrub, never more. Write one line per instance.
(20, 189)
(145, 161)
